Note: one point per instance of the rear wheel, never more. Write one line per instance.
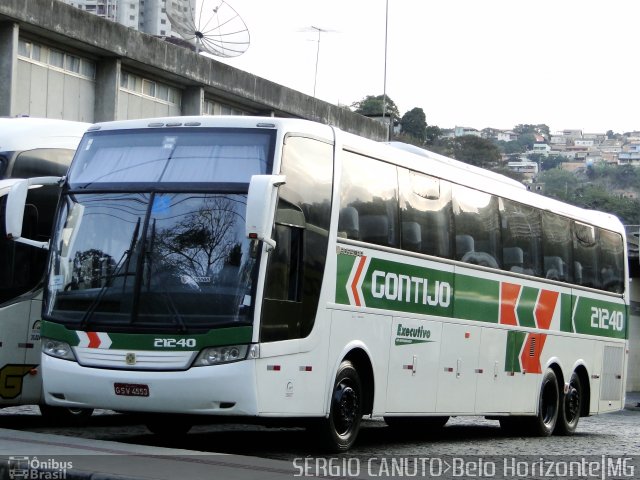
(338, 432)
(570, 407)
(543, 424)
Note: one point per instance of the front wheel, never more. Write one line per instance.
(570, 407)
(339, 431)
(543, 424)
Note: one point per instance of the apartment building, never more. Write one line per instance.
(148, 16)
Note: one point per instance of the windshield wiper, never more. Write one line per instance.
(124, 259)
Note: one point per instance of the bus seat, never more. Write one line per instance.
(554, 268)
(464, 244)
(513, 259)
(348, 224)
(411, 236)
(577, 272)
(374, 229)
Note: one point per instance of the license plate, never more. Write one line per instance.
(131, 389)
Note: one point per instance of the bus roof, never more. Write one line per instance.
(27, 133)
(400, 154)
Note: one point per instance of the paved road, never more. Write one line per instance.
(610, 434)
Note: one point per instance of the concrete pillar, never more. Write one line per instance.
(107, 90)
(192, 101)
(8, 67)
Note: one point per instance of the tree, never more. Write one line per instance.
(414, 123)
(559, 184)
(476, 151)
(433, 133)
(372, 105)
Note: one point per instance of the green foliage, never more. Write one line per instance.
(414, 123)
(373, 105)
(475, 150)
(527, 129)
(433, 133)
(559, 184)
(552, 161)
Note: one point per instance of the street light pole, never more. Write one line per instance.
(384, 88)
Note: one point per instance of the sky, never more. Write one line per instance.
(475, 63)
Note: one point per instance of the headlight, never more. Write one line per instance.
(57, 349)
(218, 355)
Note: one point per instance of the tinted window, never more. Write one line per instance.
(557, 249)
(171, 156)
(42, 162)
(369, 201)
(296, 265)
(611, 261)
(477, 227)
(585, 254)
(425, 214)
(521, 236)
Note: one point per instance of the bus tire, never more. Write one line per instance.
(421, 424)
(338, 432)
(167, 425)
(76, 416)
(570, 407)
(544, 423)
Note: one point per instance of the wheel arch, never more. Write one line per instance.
(583, 375)
(363, 365)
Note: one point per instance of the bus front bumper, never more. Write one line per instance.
(227, 389)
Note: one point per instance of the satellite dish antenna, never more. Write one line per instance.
(210, 26)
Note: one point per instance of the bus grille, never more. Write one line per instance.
(134, 359)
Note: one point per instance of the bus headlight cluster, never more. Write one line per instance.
(58, 349)
(218, 355)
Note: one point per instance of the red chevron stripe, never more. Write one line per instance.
(509, 293)
(545, 308)
(356, 278)
(94, 340)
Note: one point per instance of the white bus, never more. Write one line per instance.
(279, 269)
(29, 147)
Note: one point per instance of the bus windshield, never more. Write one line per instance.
(170, 156)
(161, 261)
(151, 234)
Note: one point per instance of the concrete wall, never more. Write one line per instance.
(116, 48)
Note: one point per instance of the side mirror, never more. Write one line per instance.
(16, 191)
(261, 202)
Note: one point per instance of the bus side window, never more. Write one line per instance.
(301, 231)
(585, 251)
(369, 196)
(476, 215)
(611, 260)
(557, 249)
(425, 213)
(521, 230)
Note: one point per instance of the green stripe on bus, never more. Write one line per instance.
(515, 340)
(150, 341)
(526, 307)
(476, 299)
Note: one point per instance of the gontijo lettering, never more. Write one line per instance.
(405, 288)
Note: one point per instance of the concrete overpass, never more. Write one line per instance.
(58, 61)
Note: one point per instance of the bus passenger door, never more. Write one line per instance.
(458, 368)
(412, 382)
